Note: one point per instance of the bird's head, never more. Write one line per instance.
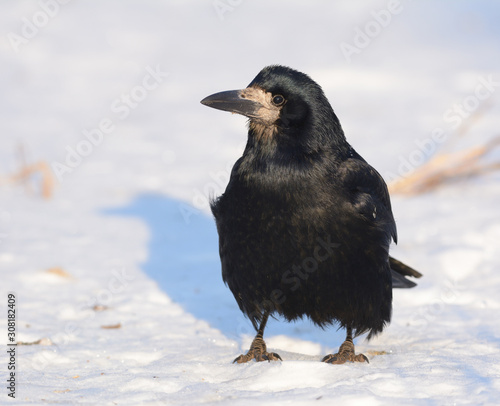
(286, 108)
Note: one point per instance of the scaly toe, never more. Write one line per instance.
(272, 356)
(360, 358)
(344, 357)
(334, 359)
(257, 356)
(243, 358)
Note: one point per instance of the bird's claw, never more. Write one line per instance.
(270, 356)
(344, 357)
(258, 356)
(242, 358)
(257, 351)
(346, 353)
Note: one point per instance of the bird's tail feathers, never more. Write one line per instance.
(399, 272)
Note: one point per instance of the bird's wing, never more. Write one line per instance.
(368, 192)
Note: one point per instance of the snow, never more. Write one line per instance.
(127, 239)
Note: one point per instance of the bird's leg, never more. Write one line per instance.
(258, 349)
(346, 352)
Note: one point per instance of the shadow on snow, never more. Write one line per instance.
(184, 261)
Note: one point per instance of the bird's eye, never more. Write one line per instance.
(278, 100)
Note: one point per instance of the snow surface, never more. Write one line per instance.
(128, 229)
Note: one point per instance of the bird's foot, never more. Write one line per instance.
(257, 351)
(258, 356)
(346, 353)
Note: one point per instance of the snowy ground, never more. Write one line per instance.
(127, 240)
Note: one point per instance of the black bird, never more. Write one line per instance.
(305, 222)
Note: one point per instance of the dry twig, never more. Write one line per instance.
(445, 167)
(28, 172)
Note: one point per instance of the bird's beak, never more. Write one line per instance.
(233, 101)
